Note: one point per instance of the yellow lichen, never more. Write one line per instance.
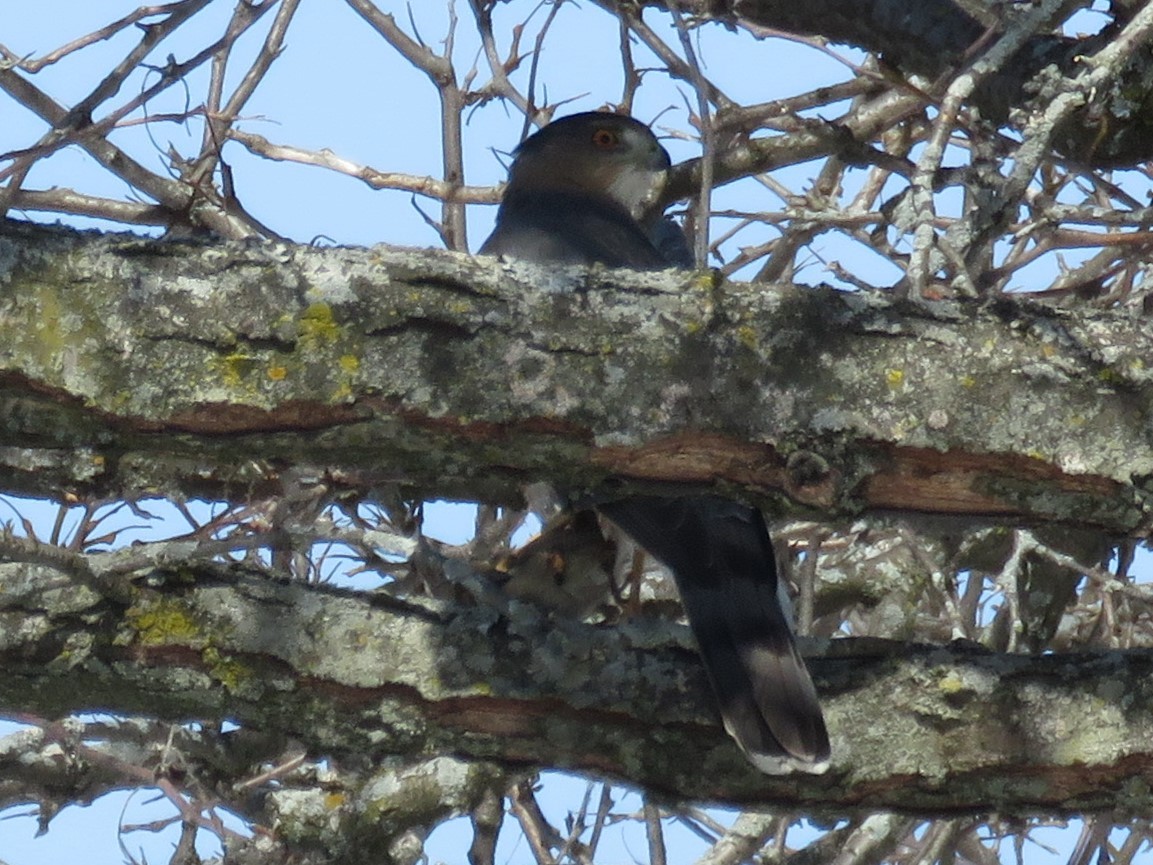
(163, 621)
(951, 684)
(236, 366)
(707, 280)
(747, 335)
(895, 377)
(277, 372)
(318, 325)
(225, 669)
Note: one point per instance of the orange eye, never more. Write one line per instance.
(605, 139)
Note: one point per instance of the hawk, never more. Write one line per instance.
(583, 190)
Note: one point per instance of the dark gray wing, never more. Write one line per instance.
(672, 243)
(570, 229)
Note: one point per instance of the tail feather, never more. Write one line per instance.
(722, 559)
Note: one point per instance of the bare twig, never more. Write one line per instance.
(921, 263)
(654, 833)
(427, 186)
(708, 143)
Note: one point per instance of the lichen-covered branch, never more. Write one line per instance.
(362, 678)
(138, 364)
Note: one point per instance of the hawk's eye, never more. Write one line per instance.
(605, 139)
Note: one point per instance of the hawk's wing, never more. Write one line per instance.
(571, 229)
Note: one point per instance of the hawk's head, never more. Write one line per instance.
(594, 153)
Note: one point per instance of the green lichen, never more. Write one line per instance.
(951, 684)
(45, 329)
(162, 621)
(1107, 375)
(76, 651)
(317, 326)
(1135, 795)
(238, 365)
(232, 674)
(49, 334)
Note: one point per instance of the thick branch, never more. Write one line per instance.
(134, 363)
(631, 701)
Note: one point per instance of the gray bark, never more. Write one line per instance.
(370, 679)
(133, 363)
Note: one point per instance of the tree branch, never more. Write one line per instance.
(935, 37)
(1065, 732)
(469, 377)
